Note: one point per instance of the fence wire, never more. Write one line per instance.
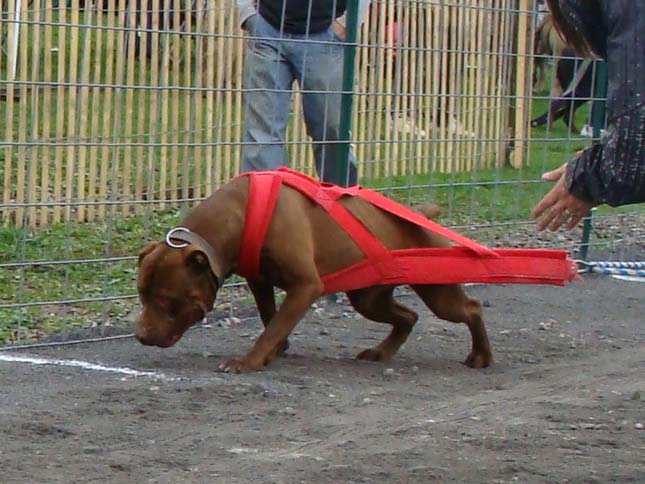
(117, 116)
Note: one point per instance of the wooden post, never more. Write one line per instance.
(35, 151)
(108, 113)
(84, 111)
(47, 113)
(210, 101)
(153, 122)
(22, 75)
(165, 103)
(97, 116)
(523, 78)
(142, 98)
(7, 191)
(72, 96)
(175, 112)
(380, 127)
(238, 56)
(187, 161)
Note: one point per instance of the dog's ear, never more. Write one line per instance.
(198, 260)
(146, 250)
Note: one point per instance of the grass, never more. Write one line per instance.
(49, 282)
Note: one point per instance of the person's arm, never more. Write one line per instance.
(612, 171)
(339, 24)
(246, 9)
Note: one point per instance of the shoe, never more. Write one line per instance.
(406, 125)
(455, 127)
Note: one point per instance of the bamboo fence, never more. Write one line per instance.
(107, 106)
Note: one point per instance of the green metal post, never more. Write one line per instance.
(346, 108)
(598, 123)
(586, 233)
(600, 96)
(341, 174)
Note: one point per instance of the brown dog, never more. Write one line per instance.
(178, 283)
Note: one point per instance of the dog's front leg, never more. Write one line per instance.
(296, 303)
(264, 295)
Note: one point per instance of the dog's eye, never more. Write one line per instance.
(168, 305)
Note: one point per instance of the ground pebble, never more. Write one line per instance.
(638, 426)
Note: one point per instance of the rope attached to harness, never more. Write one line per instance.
(471, 262)
(634, 269)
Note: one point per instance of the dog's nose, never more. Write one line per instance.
(142, 336)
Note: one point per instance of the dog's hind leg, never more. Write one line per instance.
(450, 302)
(264, 295)
(377, 304)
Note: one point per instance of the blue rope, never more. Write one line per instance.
(635, 269)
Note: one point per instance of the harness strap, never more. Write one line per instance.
(457, 265)
(327, 195)
(263, 196)
(471, 262)
(405, 213)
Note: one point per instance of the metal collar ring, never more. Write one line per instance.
(169, 237)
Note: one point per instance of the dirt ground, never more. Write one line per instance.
(564, 402)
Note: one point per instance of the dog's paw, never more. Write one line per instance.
(478, 360)
(371, 355)
(238, 365)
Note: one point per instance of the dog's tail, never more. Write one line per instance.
(429, 210)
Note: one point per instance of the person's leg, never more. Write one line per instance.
(267, 85)
(319, 68)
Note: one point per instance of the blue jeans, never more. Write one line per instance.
(272, 63)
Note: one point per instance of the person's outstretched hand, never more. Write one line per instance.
(559, 207)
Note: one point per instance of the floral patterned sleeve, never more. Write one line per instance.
(613, 171)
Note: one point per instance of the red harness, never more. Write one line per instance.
(471, 262)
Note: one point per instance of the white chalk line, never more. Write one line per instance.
(85, 365)
(629, 278)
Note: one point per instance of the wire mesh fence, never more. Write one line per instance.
(117, 116)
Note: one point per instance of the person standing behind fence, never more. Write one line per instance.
(293, 40)
(611, 171)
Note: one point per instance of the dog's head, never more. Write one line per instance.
(177, 288)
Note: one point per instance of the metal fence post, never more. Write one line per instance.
(341, 176)
(599, 99)
(598, 122)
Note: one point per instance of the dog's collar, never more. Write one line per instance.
(186, 237)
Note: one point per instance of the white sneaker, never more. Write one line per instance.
(406, 125)
(587, 131)
(455, 127)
